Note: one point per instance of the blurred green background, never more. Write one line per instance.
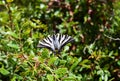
(94, 24)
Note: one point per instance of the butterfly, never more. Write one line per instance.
(55, 42)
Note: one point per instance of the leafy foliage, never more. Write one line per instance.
(94, 24)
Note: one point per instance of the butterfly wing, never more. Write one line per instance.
(55, 41)
(46, 43)
(65, 39)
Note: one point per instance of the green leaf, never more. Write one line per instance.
(75, 64)
(62, 62)
(9, 1)
(45, 53)
(12, 34)
(66, 48)
(52, 60)
(4, 71)
(30, 41)
(14, 78)
(106, 77)
(111, 53)
(86, 63)
(61, 71)
(69, 79)
(27, 31)
(42, 6)
(15, 46)
(50, 77)
(118, 62)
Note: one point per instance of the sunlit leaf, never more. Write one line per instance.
(9, 1)
(52, 60)
(45, 53)
(85, 63)
(75, 64)
(12, 45)
(12, 34)
(30, 41)
(50, 77)
(118, 62)
(61, 71)
(4, 71)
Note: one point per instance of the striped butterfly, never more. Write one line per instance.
(55, 42)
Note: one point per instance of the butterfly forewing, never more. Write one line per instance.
(46, 43)
(67, 40)
(58, 37)
(62, 38)
(50, 39)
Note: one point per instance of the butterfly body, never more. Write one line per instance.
(55, 42)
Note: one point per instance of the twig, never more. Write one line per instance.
(116, 39)
(10, 14)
